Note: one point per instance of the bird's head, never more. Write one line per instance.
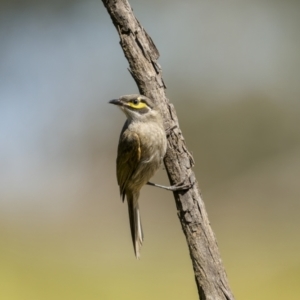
(137, 107)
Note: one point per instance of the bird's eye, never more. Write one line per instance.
(137, 104)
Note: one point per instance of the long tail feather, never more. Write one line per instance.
(135, 225)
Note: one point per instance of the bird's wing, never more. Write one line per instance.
(129, 155)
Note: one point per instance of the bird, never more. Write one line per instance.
(141, 149)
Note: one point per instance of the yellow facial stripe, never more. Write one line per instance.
(140, 105)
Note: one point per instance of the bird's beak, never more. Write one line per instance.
(116, 102)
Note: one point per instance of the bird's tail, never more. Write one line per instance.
(135, 225)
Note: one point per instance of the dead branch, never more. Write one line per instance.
(142, 56)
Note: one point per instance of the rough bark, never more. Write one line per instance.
(142, 55)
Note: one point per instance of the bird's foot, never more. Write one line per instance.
(181, 186)
(168, 130)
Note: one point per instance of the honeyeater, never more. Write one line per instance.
(142, 147)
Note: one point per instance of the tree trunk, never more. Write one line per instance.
(142, 55)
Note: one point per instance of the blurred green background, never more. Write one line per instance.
(232, 70)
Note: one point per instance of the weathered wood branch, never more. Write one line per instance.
(142, 56)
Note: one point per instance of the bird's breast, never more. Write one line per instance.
(153, 143)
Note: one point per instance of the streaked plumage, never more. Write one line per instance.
(142, 146)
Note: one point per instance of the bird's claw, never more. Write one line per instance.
(180, 186)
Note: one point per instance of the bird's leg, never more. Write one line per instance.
(181, 186)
